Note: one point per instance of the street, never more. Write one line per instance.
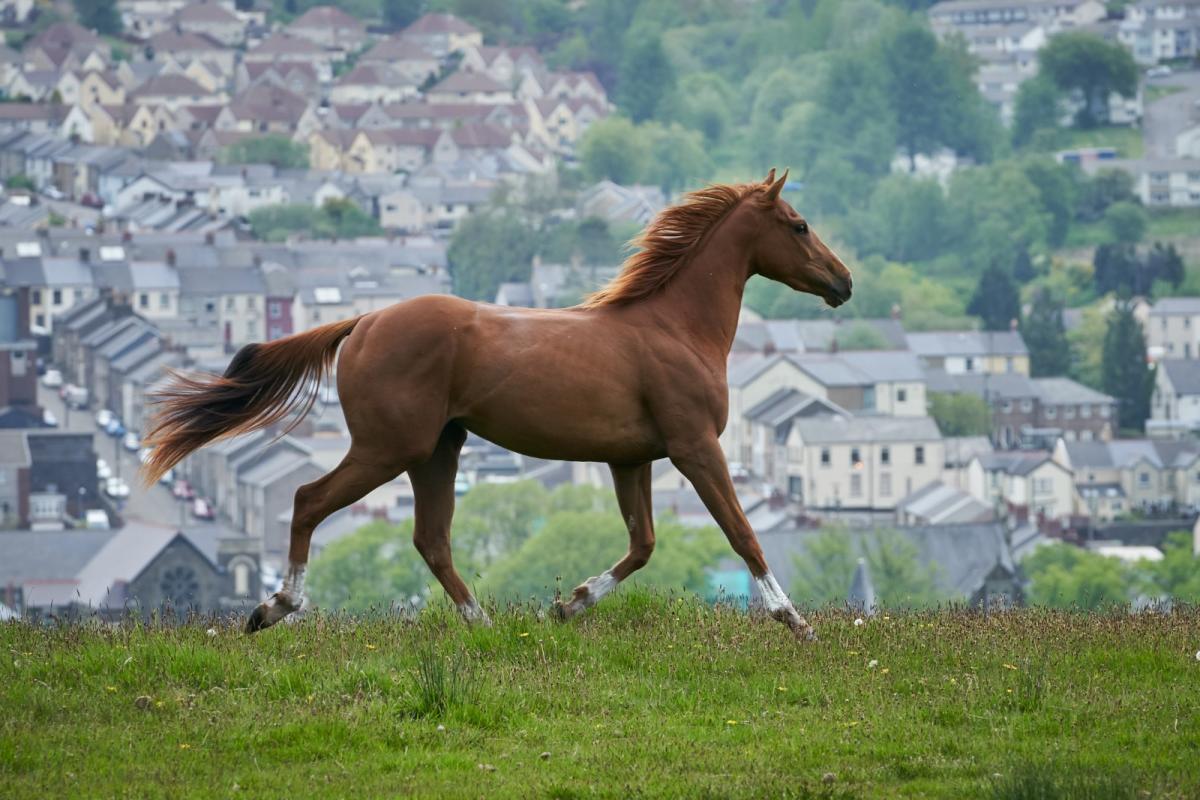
(155, 504)
(1167, 117)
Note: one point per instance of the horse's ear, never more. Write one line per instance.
(770, 177)
(777, 186)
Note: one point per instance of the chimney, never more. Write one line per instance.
(171, 257)
(85, 255)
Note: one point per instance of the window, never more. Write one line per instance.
(1085, 411)
(40, 320)
(180, 586)
(57, 297)
(885, 484)
(1007, 406)
(825, 458)
(250, 303)
(855, 457)
(868, 402)
(210, 306)
(1144, 478)
(230, 303)
(1069, 412)
(36, 296)
(1043, 486)
(885, 455)
(855, 485)
(1026, 406)
(164, 300)
(970, 365)
(275, 310)
(1051, 412)
(143, 300)
(1104, 412)
(919, 454)
(241, 580)
(902, 395)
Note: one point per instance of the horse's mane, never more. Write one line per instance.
(667, 242)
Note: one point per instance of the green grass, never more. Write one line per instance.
(1126, 140)
(1164, 225)
(645, 696)
(1158, 92)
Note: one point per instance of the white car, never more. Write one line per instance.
(168, 478)
(131, 442)
(53, 192)
(48, 418)
(116, 488)
(1160, 71)
(103, 470)
(52, 379)
(103, 417)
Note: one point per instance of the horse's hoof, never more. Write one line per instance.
(561, 611)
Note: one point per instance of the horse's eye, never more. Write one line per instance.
(801, 228)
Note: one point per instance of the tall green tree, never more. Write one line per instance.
(959, 414)
(102, 16)
(996, 301)
(488, 249)
(613, 149)
(1126, 222)
(274, 149)
(1177, 575)
(1127, 373)
(677, 157)
(1035, 108)
(901, 579)
(1046, 337)
(1096, 68)
(906, 220)
(371, 568)
(646, 77)
(398, 14)
(1055, 185)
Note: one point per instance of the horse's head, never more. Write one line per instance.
(789, 251)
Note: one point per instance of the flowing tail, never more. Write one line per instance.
(262, 385)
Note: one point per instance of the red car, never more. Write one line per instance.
(202, 509)
(183, 490)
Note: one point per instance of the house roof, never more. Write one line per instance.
(122, 558)
(843, 429)
(326, 18)
(397, 48)
(939, 504)
(182, 42)
(281, 44)
(14, 448)
(47, 555)
(205, 12)
(1176, 305)
(1183, 373)
(1016, 462)
(1064, 391)
(939, 344)
(170, 85)
(221, 280)
(461, 82)
(440, 24)
(1126, 453)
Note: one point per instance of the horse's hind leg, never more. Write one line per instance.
(633, 496)
(349, 481)
(433, 491)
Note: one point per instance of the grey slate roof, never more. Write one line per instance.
(1176, 305)
(837, 429)
(1064, 391)
(939, 344)
(47, 555)
(1183, 373)
(1015, 462)
(218, 281)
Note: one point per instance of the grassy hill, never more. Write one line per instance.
(646, 696)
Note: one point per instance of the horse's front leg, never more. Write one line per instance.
(633, 497)
(702, 462)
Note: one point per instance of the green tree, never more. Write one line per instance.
(906, 220)
(373, 567)
(20, 182)
(276, 223)
(399, 14)
(613, 148)
(1177, 575)
(494, 519)
(101, 16)
(997, 211)
(1065, 576)
(340, 218)
(996, 300)
(1046, 337)
(274, 149)
(646, 77)
(1127, 374)
(860, 336)
(1055, 186)
(487, 249)
(1126, 222)
(1092, 66)
(1087, 348)
(1035, 108)
(1095, 194)
(826, 567)
(575, 545)
(677, 157)
(960, 414)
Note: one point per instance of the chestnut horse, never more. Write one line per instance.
(633, 374)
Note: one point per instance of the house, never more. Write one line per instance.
(814, 335)
(469, 87)
(62, 477)
(1117, 477)
(1163, 182)
(1053, 13)
(965, 352)
(212, 19)
(298, 77)
(36, 118)
(1172, 328)
(174, 92)
(1176, 397)
(329, 27)
(769, 424)
(620, 204)
(181, 48)
(1160, 30)
(861, 463)
(505, 65)
(372, 83)
(280, 47)
(55, 284)
(18, 354)
(405, 57)
(140, 569)
(15, 462)
(389, 151)
(1027, 485)
(940, 504)
(223, 308)
(66, 46)
(442, 34)
(262, 108)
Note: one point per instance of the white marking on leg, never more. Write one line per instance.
(772, 595)
(473, 612)
(597, 587)
(292, 590)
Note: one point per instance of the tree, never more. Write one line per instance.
(826, 567)
(101, 16)
(1035, 108)
(1177, 575)
(21, 182)
(1115, 267)
(343, 219)
(494, 519)
(336, 219)
(906, 220)
(1165, 264)
(398, 14)
(1087, 348)
(612, 148)
(1095, 194)
(677, 157)
(1126, 222)
(274, 149)
(1065, 576)
(1046, 337)
(373, 567)
(996, 211)
(959, 414)
(489, 248)
(1092, 66)
(646, 77)
(1056, 189)
(995, 301)
(575, 545)
(861, 336)
(1127, 374)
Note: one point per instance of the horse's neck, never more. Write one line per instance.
(704, 300)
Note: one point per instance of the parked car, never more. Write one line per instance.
(96, 519)
(1161, 71)
(114, 428)
(167, 478)
(48, 418)
(131, 442)
(183, 490)
(116, 488)
(53, 379)
(103, 417)
(75, 396)
(53, 192)
(202, 509)
(91, 200)
(103, 470)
